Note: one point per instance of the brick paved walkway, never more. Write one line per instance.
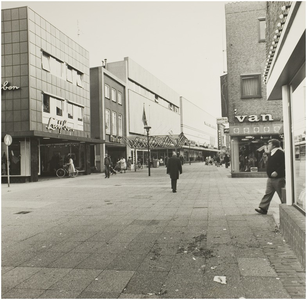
(130, 237)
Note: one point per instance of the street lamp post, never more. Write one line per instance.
(147, 128)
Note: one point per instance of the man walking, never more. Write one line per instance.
(107, 163)
(276, 175)
(173, 169)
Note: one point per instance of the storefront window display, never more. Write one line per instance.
(14, 159)
(54, 156)
(253, 154)
(298, 106)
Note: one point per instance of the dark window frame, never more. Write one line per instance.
(249, 76)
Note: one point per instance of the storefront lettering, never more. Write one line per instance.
(6, 87)
(255, 118)
(54, 124)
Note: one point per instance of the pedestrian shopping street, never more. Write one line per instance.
(129, 236)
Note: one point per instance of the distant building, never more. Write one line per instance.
(252, 119)
(45, 97)
(108, 116)
(200, 128)
(145, 92)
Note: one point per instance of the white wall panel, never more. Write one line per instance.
(162, 120)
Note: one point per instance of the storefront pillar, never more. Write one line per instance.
(288, 145)
(87, 159)
(235, 163)
(34, 160)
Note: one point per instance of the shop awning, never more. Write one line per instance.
(55, 138)
(156, 141)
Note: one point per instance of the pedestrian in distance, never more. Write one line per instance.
(276, 175)
(123, 165)
(107, 164)
(70, 165)
(226, 160)
(174, 168)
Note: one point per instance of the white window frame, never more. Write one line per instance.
(119, 98)
(69, 74)
(113, 94)
(46, 61)
(114, 123)
(107, 91)
(262, 29)
(70, 111)
(120, 125)
(108, 121)
(257, 94)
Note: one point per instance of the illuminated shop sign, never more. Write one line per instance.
(269, 129)
(7, 87)
(255, 118)
(54, 124)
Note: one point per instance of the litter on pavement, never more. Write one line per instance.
(220, 279)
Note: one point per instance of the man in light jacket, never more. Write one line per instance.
(276, 175)
(174, 167)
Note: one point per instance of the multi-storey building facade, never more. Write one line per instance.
(45, 97)
(285, 79)
(200, 128)
(252, 119)
(145, 92)
(108, 116)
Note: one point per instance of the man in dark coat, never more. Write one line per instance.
(174, 167)
(276, 175)
(107, 163)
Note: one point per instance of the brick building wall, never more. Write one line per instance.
(246, 55)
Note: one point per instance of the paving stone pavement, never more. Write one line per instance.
(130, 237)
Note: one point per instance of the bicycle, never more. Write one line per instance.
(62, 172)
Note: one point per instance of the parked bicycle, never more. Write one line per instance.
(62, 172)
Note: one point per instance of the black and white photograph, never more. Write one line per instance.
(153, 150)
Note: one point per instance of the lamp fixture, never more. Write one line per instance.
(285, 7)
(283, 15)
(280, 24)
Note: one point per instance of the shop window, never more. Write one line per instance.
(46, 61)
(108, 121)
(46, 103)
(113, 94)
(69, 74)
(59, 107)
(250, 86)
(120, 125)
(119, 97)
(56, 67)
(298, 108)
(79, 79)
(14, 160)
(114, 123)
(70, 111)
(107, 91)
(262, 29)
(79, 113)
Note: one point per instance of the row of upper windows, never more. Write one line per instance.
(62, 108)
(113, 94)
(114, 125)
(140, 90)
(62, 70)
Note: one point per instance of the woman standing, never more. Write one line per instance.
(70, 166)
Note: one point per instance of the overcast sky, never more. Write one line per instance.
(180, 43)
